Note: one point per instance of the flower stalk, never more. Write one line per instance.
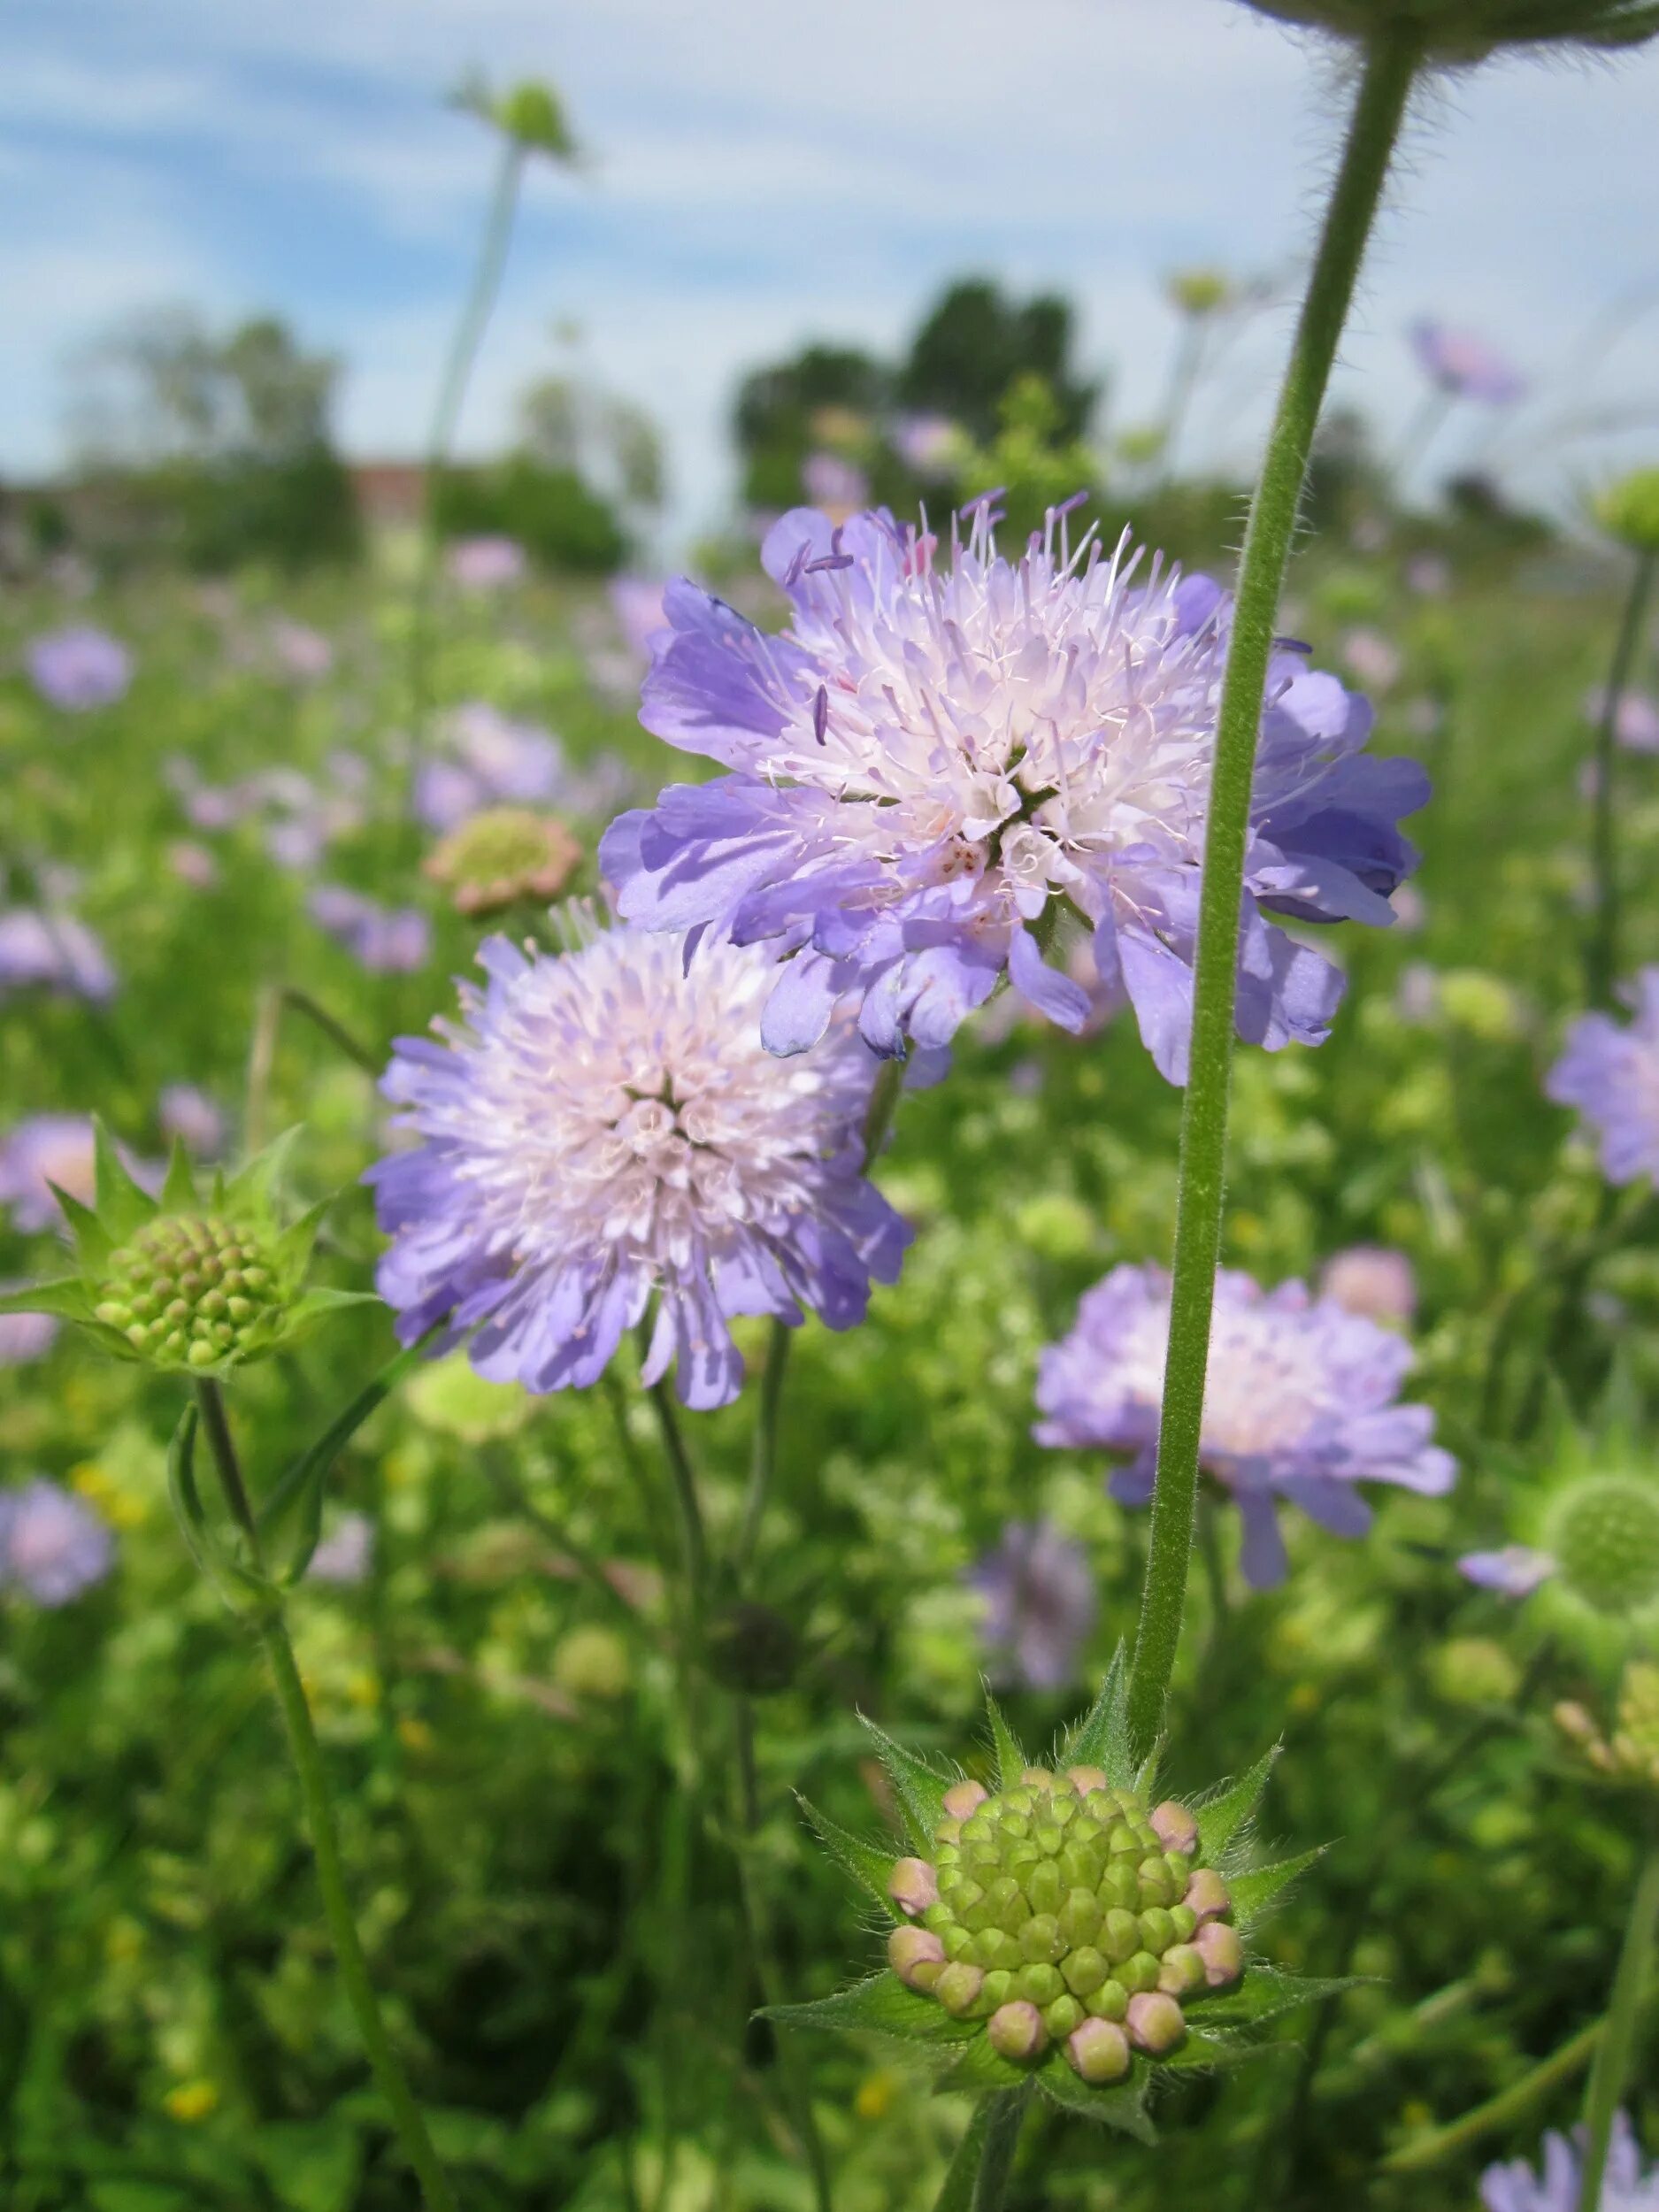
(1616, 2049)
(1601, 947)
(1380, 107)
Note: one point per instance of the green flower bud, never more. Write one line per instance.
(1604, 1538)
(1080, 1919)
(1183, 1919)
(1041, 1985)
(997, 1989)
(916, 1958)
(1062, 2017)
(1463, 31)
(1016, 2032)
(958, 1988)
(1083, 1971)
(1119, 1935)
(1157, 1931)
(1120, 1887)
(995, 1948)
(1156, 2023)
(957, 1940)
(1181, 1969)
(1040, 1941)
(1098, 2051)
(1139, 1971)
(1044, 1888)
(1629, 510)
(1110, 2002)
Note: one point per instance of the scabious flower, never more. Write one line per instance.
(930, 446)
(606, 1125)
(24, 1336)
(504, 854)
(1371, 1279)
(486, 564)
(1612, 1074)
(343, 1557)
(79, 668)
(637, 603)
(386, 940)
(936, 755)
(301, 652)
(1626, 2186)
(37, 1153)
(832, 481)
(186, 1111)
(1300, 1404)
(52, 952)
(1040, 1604)
(52, 1545)
(1464, 365)
(1635, 723)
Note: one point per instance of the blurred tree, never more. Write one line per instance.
(827, 396)
(973, 345)
(1033, 461)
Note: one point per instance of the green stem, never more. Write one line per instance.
(1601, 951)
(410, 2127)
(1617, 2049)
(1006, 2110)
(692, 1544)
(764, 1462)
(884, 1103)
(275, 999)
(1511, 2104)
(1373, 130)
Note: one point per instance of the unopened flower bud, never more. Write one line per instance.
(1604, 1538)
(1182, 1968)
(1156, 2023)
(913, 1887)
(1083, 1779)
(958, 1988)
(962, 1799)
(1207, 1894)
(1176, 1828)
(1098, 2051)
(1016, 2031)
(916, 1957)
(1222, 1950)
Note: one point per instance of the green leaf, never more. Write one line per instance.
(1101, 1739)
(316, 1306)
(1122, 2107)
(1267, 1993)
(254, 1185)
(963, 2179)
(65, 1297)
(1201, 2053)
(235, 1583)
(122, 1205)
(879, 2005)
(312, 2165)
(869, 1866)
(980, 2069)
(1223, 1816)
(293, 1248)
(1011, 1760)
(93, 1242)
(921, 1793)
(178, 1193)
(1254, 1890)
(297, 1498)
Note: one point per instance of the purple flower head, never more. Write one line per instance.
(301, 652)
(199, 1121)
(1636, 724)
(1301, 1402)
(515, 762)
(52, 952)
(79, 668)
(1465, 366)
(192, 864)
(1040, 1604)
(24, 1336)
(833, 482)
(52, 1545)
(1374, 1280)
(605, 1125)
(930, 446)
(386, 940)
(934, 754)
(1612, 1074)
(1515, 1571)
(486, 564)
(343, 1557)
(35, 1154)
(1626, 2186)
(637, 603)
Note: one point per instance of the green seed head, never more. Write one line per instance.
(1061, 1908)
(191, 1290)
(1629, 510)
(1604, 1536)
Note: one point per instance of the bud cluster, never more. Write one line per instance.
(189, 1290)
(1603, 1535)
(1630, 1755)
(503, 855)
(1065, 1911)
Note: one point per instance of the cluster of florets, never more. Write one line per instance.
(191, 1290)
(1065, 1911)
(504, 854)
(1628, 1754)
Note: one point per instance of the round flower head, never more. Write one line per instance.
(386, 940)
(1040, 1604)
(1464, 365)
(605, 1125)
(1612, 1074)
(939, 751)
(41, 1153)
(52, 1545)
(52, 952)
(1626, 2186)
(1300, 1402)
(1374, 1280)
(79, 668)
(486, 564)
(493, 859)
(1456, 31)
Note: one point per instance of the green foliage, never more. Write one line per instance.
(550, 512)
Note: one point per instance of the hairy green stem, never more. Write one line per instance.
(407, 2123)
(1511, 2104)
(1617, 2049)
(1602, 947)
(762, 1466)
(1373, 132)
(682, 1476)
(1003, 2118)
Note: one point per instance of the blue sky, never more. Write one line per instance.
(764, 173)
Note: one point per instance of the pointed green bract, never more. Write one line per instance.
(869, 1866)
(1011, 1760)
(1101, 1739)
(878, 2006)
(921, 1793)
(1226, 1817)
(1259, 1886)
(1123, 2108)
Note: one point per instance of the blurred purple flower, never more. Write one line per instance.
(1612, 1075)
(389, 940)
(1300, 1403)
(1374, 1280)
(928, 445)
(637, 603)
(1464, 364)
(445, 794)
(343, 1557)
(52, 1545)
(24, 1336)
(192, 864)
(187, 1112)
(605, 1130)
(52, 952)
(1636, 725)
(1372, 659)
(1040, 1605)
(1515, 1571)
(1429, 575)
(301, 652)
(838, 485)
(79, 668)
(929, 759)
(37, 1152)
(1555, 2185)
(515, 762)
(486, 564)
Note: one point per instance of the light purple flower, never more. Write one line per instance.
(192, 864)
(301, 652)
(1515, 1571)
(832, 482)
(928, 445)
(37, 1152)
(1626, 2186)
(637, 603)
(445, 794)
(486, 564)
(1373, 658)
(24, 1336)
(1612, 1075)
(932, 755)
(1371, 1279)
(52, 952)
(386, 940)
(1040, 1604)
(52, 1545)
(517, 763)
(607, 1125)
(1635, 725)
(187, 1112)
(79, 668)
(343, 1557)
(1464, 364)
(1300, 1404)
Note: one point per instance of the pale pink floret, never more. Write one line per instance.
(1207, 1894)
(1099, 2051)
(963, 1799)
(1176, 1830)
(913, 1887)
(1015, 2030)
(1156, 2023)
(1222, 1950)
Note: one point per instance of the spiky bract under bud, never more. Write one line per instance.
(1604, 1538)
(1058, 1901)
(1456, 31)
